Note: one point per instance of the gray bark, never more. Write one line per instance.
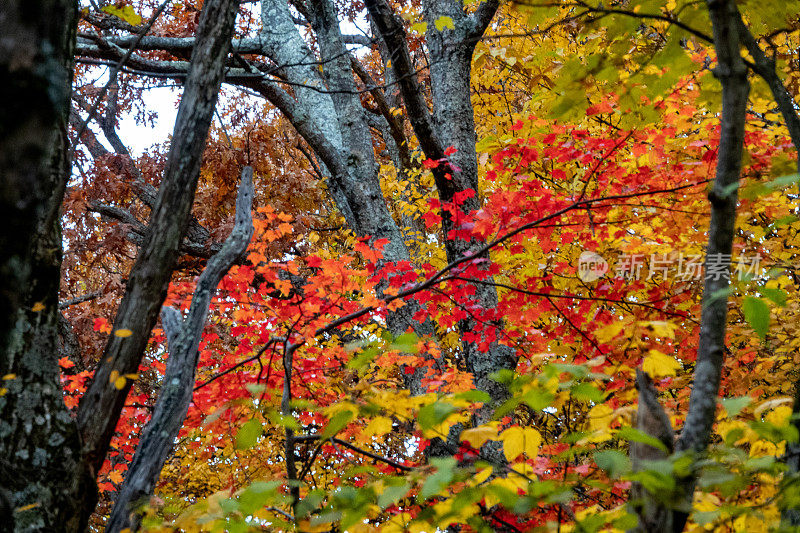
(149, 278)
(765, 67)
(43, 479)
(451, 123)
(695, 434)
(183, 337)
(325, 109)
(652, 420)
(732, 73)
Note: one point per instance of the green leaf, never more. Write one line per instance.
(782, 182)
(310, 502)
(777, 296)
(125, 13)
(336, 424)
(444, 22)
(407, 342)
(756, 312)
(756, 464)
(626, 522)
(733, 406)
(578, 371)
(434, 414)
(538, 399)
(280, 419)
(474, 396)
(636, 435)
(363, 359)
(392, 494)
(587, 391)
(656, 480)
(257, 495)
(229, 506)
(441, 479)
(716, 295)
(613, 462)
(248, 434)
(705, 517)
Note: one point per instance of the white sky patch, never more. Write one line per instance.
(139, 137)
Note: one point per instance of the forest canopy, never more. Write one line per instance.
(415, 266)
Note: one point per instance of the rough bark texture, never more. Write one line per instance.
(183, 337)
(41, 469)
(327, 112)
(652, 420)
(451, 123)
(324, 107)
(765, 67)
(732, 73)
(149, 278)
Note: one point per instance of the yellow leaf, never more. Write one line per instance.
(444, 22)
(532, 439)
(378, 426)
(662, 329)
(9, 376)
(305, 525)
(600, 417)
(38, 306)
(420, 27)
(115, 476)
(125, 13)
(360, 527)
(113, 376)
(119, 383)
(28, 507)
(482, 476)
(779, 416)
(610, 331)
(132, 376)
(769, 404)
(659, 364)
(476, 437)
(513, 442)
(123, 333)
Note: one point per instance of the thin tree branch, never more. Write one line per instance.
(183, 338)
(102, 404)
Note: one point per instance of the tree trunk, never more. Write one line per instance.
(696, 432)
(183, 337)
(41, 467)
(451, 123)
(149, 279)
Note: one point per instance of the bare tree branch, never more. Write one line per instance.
(100, 407)
(765, 67)
(183, 337)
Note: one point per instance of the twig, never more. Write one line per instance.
(112, 75)
(79, 299)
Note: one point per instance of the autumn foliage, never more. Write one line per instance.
(592, 138)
